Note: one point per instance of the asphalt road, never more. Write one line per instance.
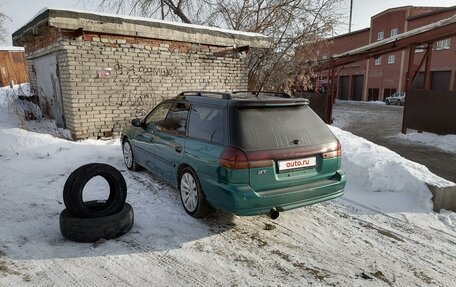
(377, 123)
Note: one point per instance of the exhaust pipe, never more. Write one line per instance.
(274, 213)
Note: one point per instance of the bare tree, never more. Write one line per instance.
(296, 29)
(186, 11)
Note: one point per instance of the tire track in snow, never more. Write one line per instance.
(423, 256)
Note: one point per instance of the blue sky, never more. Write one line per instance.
(21, 11)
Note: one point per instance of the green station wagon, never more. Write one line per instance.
(247, 153)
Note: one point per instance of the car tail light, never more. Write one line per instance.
(334, 153)
(235, 158)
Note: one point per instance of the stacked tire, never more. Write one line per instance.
(92, 220)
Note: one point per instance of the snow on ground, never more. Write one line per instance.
(381, 233)
(445, 142)
(13, 111)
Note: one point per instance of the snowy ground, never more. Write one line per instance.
(446, 142)
(381, 233)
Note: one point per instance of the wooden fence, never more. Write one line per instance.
(318, 102)
(13, 67)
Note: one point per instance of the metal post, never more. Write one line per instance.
(410, 75)
(330, 93)
(427, 69)
(408, 83)
(351, 14)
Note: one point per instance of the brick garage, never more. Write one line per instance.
(95, 72)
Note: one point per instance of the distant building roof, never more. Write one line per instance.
(141, 27)
(443, 9)
(407, 7)
(349, 34)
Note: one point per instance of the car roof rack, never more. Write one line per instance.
(225, 96)
(256, 93)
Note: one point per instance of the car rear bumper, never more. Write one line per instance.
(243, 200)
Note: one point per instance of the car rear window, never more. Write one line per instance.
(260, 128)
(207, 123)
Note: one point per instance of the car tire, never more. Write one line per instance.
(74, 187)
(129, 157)
(387, 102)
(92, 229)
(192, 196)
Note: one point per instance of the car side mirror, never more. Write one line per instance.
(136, 122)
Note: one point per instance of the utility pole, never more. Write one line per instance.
(351, 14)
(162, 12)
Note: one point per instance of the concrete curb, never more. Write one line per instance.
(443, 197)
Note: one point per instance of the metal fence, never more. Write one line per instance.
(430, 111)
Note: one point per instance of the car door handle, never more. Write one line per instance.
(178, 148)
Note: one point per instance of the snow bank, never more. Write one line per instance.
(25, 114)
(382, 179)
(20, 89)
(446, 142)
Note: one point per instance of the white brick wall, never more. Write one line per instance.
(142, 73)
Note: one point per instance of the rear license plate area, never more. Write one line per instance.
(296, 164)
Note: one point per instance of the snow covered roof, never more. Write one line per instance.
(141, 27)
(12, 48)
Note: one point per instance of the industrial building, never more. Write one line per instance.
(377, 78)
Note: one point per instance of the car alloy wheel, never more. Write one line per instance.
(192, 195)
(129, 157)
(128, 154)
(189, 192)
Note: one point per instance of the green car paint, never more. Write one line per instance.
(250, 190)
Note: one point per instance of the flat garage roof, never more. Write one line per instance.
(141, 27)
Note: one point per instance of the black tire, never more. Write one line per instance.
(201, 207)
(92, 229)
(74, 186)
(387, 102)
(130, 163)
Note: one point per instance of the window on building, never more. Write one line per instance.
(388, 92)
(372, 94)
(378, 61)
(391, 59)
(394, 32)
(380, 35)
(443, 44)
